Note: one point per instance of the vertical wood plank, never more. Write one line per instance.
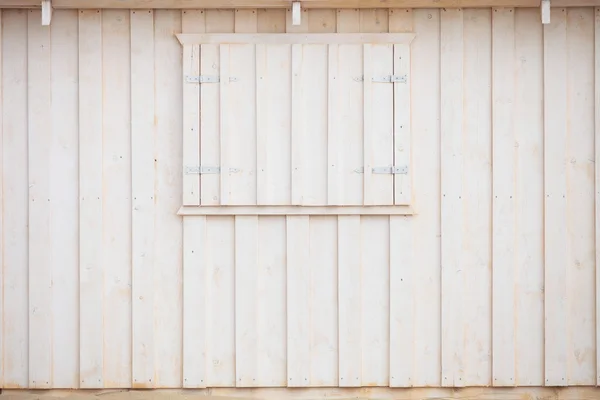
(91, 269)
(477, 167)
(451, 66)
(194, 300)
(309, 124)
(143, 145)
(270, 296)
(402, 127)
(297, 156)
(378, 124)
(310, 109)
(15, 188)
(273, 124)
(220, 302)
(298, 300)
(402, 314)
(194, 240)
(579, 167)
(403, 282)
(597, 179)
(194, 21)
(345, 118)
(375, 299)
(40, 138)
(350, 300)
(191, 125)
(238, 116)
(555, 180)
(117, 202)
(324, 308)
(504, 197)
(529, 135)
(64, 191)
(169, 240)
(273, 114)
(2, 201)
(426, 132)
(246, 302)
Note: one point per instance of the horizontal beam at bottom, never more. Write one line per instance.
(482, 393)
(295, 210)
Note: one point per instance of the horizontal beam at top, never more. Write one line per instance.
(225, 4)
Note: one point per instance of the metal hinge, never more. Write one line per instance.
(206, 79)
(390, 79)
(391, 170)
(202, 170)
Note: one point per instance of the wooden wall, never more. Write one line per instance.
(491, 282)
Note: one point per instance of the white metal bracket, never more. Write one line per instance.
(296, 13)
(391, 170)
(46, 12)
(545, 11)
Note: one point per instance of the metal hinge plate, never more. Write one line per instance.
(391, 170)
(390, 79)
(202, 170)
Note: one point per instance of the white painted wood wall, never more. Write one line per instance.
(491, 282)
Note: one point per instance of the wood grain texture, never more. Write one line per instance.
(143, 139)
(91, 200)
(504, 196)
(117, 211)
(15, 190)
(452, 204)
(64, 191)
(555, 203)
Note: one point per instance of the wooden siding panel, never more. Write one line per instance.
(220, 303)
(452, 206)
(194, 302)
(273, 113)
(64, 191)
(94, 323)
(41, 243)
(426, 136)
(91, 199)
(555, 187)
(597, 178)
(529, 189)
(477, 195)
(298, 300)
(374, 306)
(168, 245)
(15, 189)
(504, 196)
(143, 147)
(345, 116)
(350, 294)
(116, 222)
(324, 306)
(579, 156)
